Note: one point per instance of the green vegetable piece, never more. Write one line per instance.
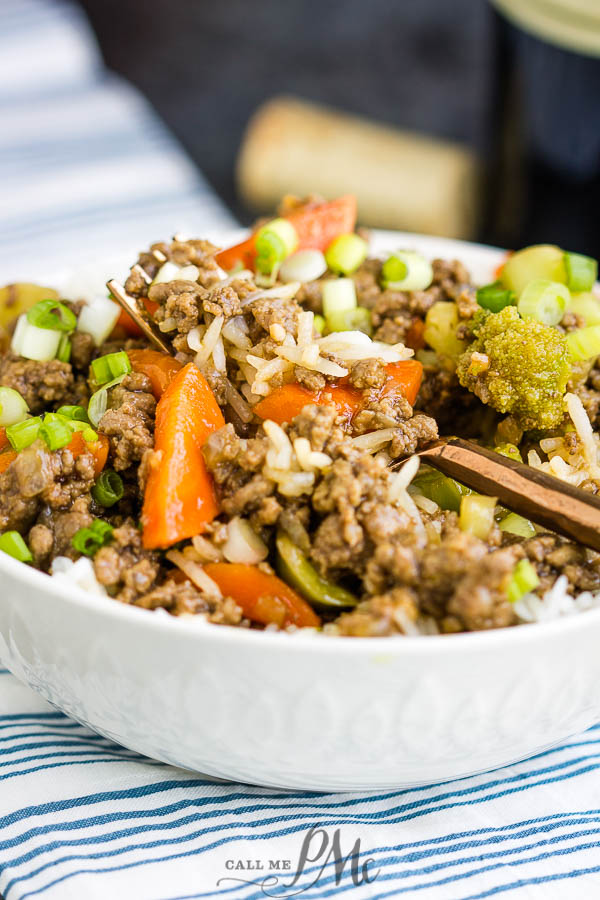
(52, 315)
(584, 343)
(519, 525)
(495, 297)
(544, 300)
(346, 253)
(297, 571)
(524, 579)
(77, 413)
(444, 491)
(358, 319)
(109, 489)
(540, 261)
(441, 323)
(527, 372)
(406, 270)
(24, 433)
(477, 515)
(511, 451)
(64, 349)
(13, 544)
(89, 540)
(582, 271)
(55, 431)
(113, 365)
(586, 305)
(319, 323)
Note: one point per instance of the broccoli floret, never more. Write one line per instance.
(518, 366)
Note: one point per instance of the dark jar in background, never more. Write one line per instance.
(544, 131)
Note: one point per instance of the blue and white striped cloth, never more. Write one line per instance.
(86, 168)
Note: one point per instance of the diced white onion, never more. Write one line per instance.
(98, 318)
(167, 272)
(195, 573)
(243, 545)
(304, 265)
(188, 273)
(32, 342)
(13, 407)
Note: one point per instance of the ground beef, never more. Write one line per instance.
(83, 349)
(183, 253)
(41, 384)
(380, 616)
(311, 380)
(39, 478)
(366, 281)
(381, 412)
(124, 567)
(182, 598)
(268, 311)
(412, 434)
(52, 535)
(180, 301)
(554, 556)
(368, 373)
(463, 585)
(129, 423)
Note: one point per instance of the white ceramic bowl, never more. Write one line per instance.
(303, 711)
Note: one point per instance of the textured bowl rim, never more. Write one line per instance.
(187, 629)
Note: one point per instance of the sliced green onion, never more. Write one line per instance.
(477, 515)
(303, 265)
(24, 433)
(338, 296)
(544, 300)
(77, 413)
(586, 305)
(319, 323)
(86, 429)
(99, 401)
(89, 540)
(519, 525)
(524, 579)
(584, 343)
(270, 252)
(582, 271)
(13, 544)
(346, 253)
(13, 407)
(358, 319)
(495, 297)
(406, 270)
(52, 315)
(540, 261)
(56, 431)
(109, 489)
(31, 342)
(111, 366)
(64, 349)
(284, 230)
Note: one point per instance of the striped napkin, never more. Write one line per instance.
(86, 169)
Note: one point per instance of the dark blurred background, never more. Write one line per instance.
(526, 108)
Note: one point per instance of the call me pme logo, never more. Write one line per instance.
(321, 857)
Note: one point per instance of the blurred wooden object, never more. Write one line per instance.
(401, 180)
